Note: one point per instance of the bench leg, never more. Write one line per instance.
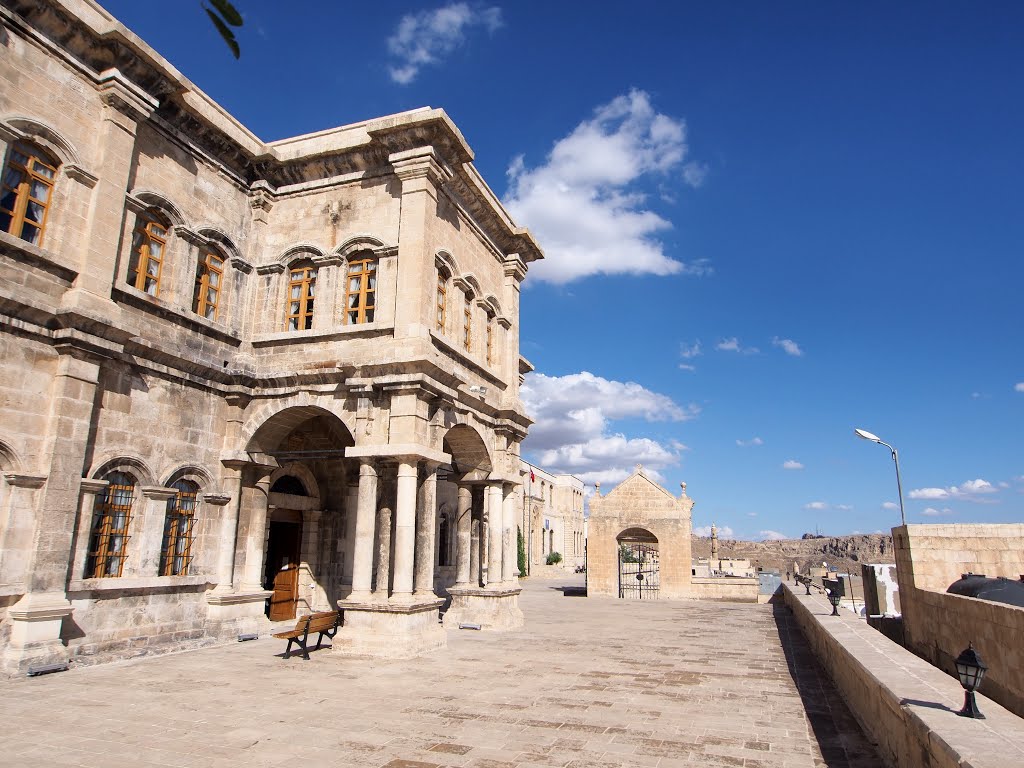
(288, 650)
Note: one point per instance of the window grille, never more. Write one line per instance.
(178, 529)
(111, 517)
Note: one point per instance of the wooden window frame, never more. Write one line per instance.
(442, 301)
(467, 324)
(151, 227)
(179, 529)
(207, 271)
(363, 308)
(108, 538)
(299, 309)
(17, 213)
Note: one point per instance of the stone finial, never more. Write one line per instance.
(683, 487)
(639, 467)
(597, 487)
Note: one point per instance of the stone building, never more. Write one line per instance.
(552, 517)
(242, 379)
(639, 541)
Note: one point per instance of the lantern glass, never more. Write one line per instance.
(970, 669)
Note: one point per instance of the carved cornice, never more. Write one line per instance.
(270, 269)
(18, 480)
(123, 95)
(237, 262)
(82, 176)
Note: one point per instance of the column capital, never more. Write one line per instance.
(420, 163)
(93, 487)
(119, 92)
(158, 492)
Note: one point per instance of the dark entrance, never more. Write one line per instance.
(282, 569)
(639, 577)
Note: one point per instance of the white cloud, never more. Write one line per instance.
(890, 505)
(751, 514)
(585, 203)
(972, 490)
(424, 38)
(773, 536)
(687, 367)
(732, 344)
(816, 505)
(751, 442)
(688, 351)
(792, 464)
(933, 512)
(724, 531)
(844, 507)
(1019, 386)
(572, 433)
(694, 174)
(788, 346)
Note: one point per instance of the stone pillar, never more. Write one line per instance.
(405, 528)
(148, 543)
(476, 540)
(366, 521)
(18, 524)
(228, 537)
(309, 561)
(383, 583)
(255, 496)
(425, 529)
(463, 540)
(495, 521)
(509, 538)
(125, 105)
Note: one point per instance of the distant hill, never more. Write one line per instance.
(846, 553)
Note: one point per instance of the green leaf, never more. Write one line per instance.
(225, 33)
(227, 10)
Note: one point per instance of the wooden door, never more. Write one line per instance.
(282, 574)
(286, 590)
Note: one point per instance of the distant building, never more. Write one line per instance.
(552, 517)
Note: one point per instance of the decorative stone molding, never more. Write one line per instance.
(217, 499)
(123, 95)
(420, 163)
(82, 176)
(158, 492)
(191, 237)
(24, 481)
(93, 486)
(270, 269)
(243, 266)
(515, 267)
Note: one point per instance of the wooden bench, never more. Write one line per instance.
(325, 623)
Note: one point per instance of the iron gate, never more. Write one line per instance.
(638, 571)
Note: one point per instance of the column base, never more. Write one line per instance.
(390, 630)
(237, 613)
(35, 640)
(492, 608)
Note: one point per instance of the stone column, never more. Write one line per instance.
(405, 528)
(425, 529)
(89, 490)
(463, 540)
(382, 585)
(366, 522)
(476, 540)
(509, 539)
(495, 522)
(255, 497)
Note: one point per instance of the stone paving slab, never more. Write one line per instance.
(589, 683)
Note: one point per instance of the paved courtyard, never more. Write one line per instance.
(589, 682)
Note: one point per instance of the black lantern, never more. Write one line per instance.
(834, 597)
(807, 583)
(970, 669)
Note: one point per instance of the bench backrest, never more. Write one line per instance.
(300, 623)
(321, 622)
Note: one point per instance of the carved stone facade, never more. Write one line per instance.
(238, 373)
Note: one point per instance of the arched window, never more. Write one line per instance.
(489, 338)
(27, 187)
(467, 324)
(209, 273)
(361, 290)
(111, 517)
(442, 299)
(301, 289)
(178, 529)
(149, 244)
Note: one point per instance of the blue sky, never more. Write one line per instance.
(766, 224)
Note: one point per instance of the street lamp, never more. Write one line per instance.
(834, 597)
(970, 669)
(863, 433)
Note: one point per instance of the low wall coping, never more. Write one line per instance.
(928, 696)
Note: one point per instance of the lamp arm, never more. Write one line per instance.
(899, 484)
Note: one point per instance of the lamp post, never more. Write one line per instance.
(863, 433)
(834, 597)
(970, 669)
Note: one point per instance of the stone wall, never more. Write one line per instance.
(734, 590)
(938, 625)
(907, 706)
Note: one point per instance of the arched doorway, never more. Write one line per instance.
(308, 536)
(463, 490)
(639, 565)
